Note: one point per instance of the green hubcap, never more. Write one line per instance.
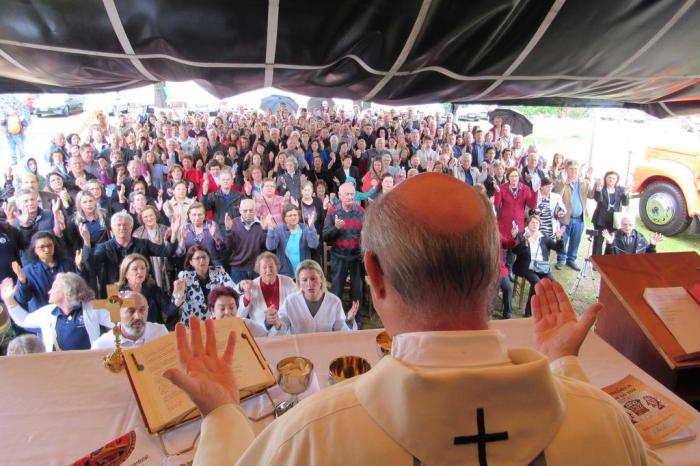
(660, 208)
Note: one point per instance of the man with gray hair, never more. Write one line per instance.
(627, 240)
(448, 376)
(134, 329)
(102, 261)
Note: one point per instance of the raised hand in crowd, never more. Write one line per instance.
(353, 310)
(122, 194)
(84, 234)
(558, 332)
(599, 184)
(272, 317)
(179, 292)
(7, 291)
(326, 202)
(17, 269)
(560, 232)
(10, 210)
(608, 236)
(228, 222)
(199, 164)
(59, 221)
(159, 200)
(205, 186)
(269, 222)
(312, 219)
(589, 171)
(656, 238)
(515, 230)
(339, 222)
(64, 195)
(212, 229)
(245, 286)
(79, 259)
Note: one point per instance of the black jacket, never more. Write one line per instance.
(217, 203)
(603, 216)
(524, 255)
(354, 172)
(102, 261)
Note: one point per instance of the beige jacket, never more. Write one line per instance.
(566, 191)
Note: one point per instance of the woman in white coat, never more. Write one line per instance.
(312, 308)
(69, 321)
(266, 293)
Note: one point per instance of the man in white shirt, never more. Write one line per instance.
(450, 392)
(135, 330)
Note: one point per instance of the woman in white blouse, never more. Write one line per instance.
(265, 294)
(312, 308)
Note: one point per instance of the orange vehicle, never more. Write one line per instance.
(668, 181)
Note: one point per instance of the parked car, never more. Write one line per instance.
(57, 104)
(668, 181)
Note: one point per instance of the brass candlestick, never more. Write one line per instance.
(114, 361)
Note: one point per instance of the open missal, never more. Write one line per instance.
(658, 420)
(162, 404)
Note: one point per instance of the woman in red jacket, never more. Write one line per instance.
(510, 201)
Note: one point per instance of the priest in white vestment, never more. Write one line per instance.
(450, 393)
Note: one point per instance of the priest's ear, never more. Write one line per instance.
(375, 276)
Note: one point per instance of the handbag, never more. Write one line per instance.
(542, 267)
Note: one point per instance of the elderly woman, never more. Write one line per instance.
(68, 322)
(532, 250)
(134, 276)
(201, 232)
(55, 184)
(44, 261)
(290, 180)
(269, 203)
(265, 293)
(292, 241)
(312, 308)
(157, 233)
(223, 303)
(191, 289)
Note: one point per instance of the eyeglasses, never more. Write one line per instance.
(199, 258)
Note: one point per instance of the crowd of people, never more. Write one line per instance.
(183, 211)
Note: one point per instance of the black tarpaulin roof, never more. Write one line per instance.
(639, 54)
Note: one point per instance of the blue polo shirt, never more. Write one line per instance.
(96, 229)
(71, 333)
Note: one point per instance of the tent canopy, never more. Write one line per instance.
(636, 53)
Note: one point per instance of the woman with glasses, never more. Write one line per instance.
(45, 261)
(191, 289)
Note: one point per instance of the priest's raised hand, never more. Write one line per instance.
(207, 378)
(558, 332)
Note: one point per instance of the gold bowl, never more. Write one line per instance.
(347, 367)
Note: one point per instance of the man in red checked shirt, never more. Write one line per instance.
(341, 230)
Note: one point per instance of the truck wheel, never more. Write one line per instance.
(663, 209)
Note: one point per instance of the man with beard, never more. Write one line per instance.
(134, 329)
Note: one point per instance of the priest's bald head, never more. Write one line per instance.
(431, 250)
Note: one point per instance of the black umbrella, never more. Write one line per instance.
(519, 124)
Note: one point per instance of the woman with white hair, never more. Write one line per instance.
(313, 308)
(267, 292)
(68, 322)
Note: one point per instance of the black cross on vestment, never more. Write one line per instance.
(482, 437)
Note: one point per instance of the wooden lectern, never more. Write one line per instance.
(631, 326)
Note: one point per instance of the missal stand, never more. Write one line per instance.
(631, 326)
